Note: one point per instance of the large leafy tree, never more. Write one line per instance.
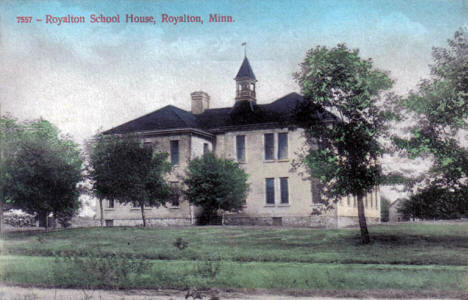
(10, 131)
(123, 169)
(43, 172)
(344, 153)
(216, 184)
(441, 109)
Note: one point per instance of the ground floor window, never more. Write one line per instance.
(270, 190)
(284, 190)
(316, 191)
(175, 197)
(109, 223)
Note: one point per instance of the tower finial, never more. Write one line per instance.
(245, 48)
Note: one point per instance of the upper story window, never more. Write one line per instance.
(175, 152)
(240, 148)
(206, 148)
(270, 190)
(282, 145)
(269, 146)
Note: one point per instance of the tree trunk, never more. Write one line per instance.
(1, 206)
(362, 221)
(54, 220)
(46, 222)
(142, 206)
(101, 210)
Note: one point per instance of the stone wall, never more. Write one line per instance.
(150, 222)
(299, 221)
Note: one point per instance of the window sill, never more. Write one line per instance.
(109, 209)
(269, 205)
(174, 207)
(137, 208)
(283, 160)
(284, 205)
(269, 160)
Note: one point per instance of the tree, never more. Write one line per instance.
(435, 202)
(123, 169)
(441, 109)
(9, 134)
(384, 213)
(43, 172)
(343, 154)
(216, 184)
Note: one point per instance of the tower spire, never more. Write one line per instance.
(245, 81)
(245, 49)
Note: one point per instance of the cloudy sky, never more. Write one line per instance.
(86, 77)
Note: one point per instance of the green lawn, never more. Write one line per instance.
(416, 257)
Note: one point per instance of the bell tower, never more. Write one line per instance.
(245, 83)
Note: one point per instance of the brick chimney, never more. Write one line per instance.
(200, 102)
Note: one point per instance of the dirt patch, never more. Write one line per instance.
(34, 293)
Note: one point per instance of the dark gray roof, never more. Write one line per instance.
(280, 111)
(245, 71)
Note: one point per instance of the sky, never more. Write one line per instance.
(90, 77)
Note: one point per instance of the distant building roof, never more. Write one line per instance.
(245, 71)
(243, 113)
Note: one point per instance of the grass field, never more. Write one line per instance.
(410, 257)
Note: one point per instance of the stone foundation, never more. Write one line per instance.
(323, 221)
(150, 222)
(345, 221)
(311, 221)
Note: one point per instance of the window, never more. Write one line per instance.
(110, 203)
(109, 223)
(270, 190)
(206, 148)
(354, 201)
(277, 221)
(316, 191)
(366, 201)
(284, 190)
(376, 200)
(282, 145)
(240, 148)
(174, 201)
(371, 200)
(269, 146)
(175, 152)
(148, 145)
(348, 200)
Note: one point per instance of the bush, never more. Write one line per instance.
(98, 270)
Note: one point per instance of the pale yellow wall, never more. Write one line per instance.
(160, 144)
(300, 197)
(372, 210)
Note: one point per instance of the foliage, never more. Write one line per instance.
(43, 172)
(123, 169)
(436, 202)
(405, 256)
(180, 243)
(403, 244)
(96, 270)
(216, 184)
(441, 107)
(384, 214)
(343, 151)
